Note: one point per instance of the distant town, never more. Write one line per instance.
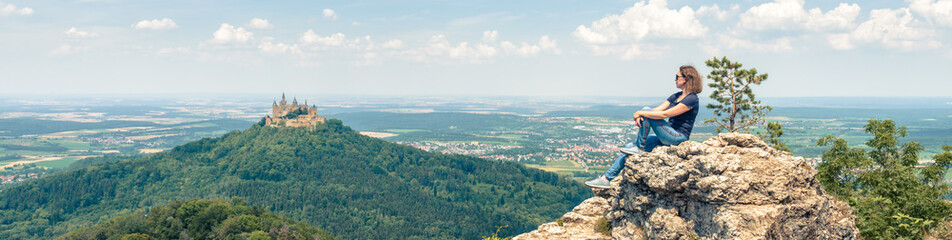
(577, 139)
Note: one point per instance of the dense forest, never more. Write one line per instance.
(355, 187)
(202, 219)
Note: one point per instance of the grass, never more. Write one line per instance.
(603, 226)
(481, 142)
(567, 168)
(563, 163)
(77, 133)
(198, 125)
(405, 130)
(72, 145)
(66, 161)
(513, 136)
(26, 153)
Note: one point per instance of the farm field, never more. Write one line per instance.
(576, 138)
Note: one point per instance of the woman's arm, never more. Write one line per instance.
(671, 112)
(660, 107)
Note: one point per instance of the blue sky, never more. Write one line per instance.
(470, 48)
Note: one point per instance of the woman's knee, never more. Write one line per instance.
(671, 142)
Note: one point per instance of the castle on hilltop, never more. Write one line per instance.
(293, 115)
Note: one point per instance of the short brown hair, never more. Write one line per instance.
(692, 80)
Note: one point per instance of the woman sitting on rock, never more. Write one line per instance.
(680, 109)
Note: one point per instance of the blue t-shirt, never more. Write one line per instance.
(685, 122)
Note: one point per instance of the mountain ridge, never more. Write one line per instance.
(328, 175)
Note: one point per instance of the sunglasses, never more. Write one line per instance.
(679, 76)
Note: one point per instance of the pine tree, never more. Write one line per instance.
(737, 108)
(771, 135)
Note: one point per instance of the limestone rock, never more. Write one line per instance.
(577, 224)
(732, 186)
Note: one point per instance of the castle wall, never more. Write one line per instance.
(304, 120)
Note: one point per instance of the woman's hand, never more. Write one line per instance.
(637, 117)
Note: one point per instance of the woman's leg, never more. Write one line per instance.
(651, 142)
(641, 140)
(665, 133)
(618, 165)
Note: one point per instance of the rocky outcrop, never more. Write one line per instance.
(732, 186)
(580, 223)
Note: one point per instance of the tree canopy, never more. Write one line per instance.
(353, 186)
(202, 219)
(893, 198)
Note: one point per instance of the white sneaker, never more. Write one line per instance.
(599, 182)
(632, 150)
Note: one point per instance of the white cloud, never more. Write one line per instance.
(267, 46)
(938, 11)
(625, 35)
(716, 12)
(393, 44)
(313, 47)
(841, 17)
(355, 24)
(891, 28)
(330, 14)
(76, 33)
(67, 49)
(490, 36)
(548, 44)
(10, 9)
(228, 34)
(440, 46)
(257, 23)
(781, 14)
(525, 50)
(309, 38)
(790, 15)
(643, 20)
(840, 41)
(156, 24)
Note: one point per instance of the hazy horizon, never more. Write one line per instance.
(410, 100)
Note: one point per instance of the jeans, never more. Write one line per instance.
(653, 132)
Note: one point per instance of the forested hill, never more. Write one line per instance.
(354, 186)
(201, 219)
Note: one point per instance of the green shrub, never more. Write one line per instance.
(495, 235)
(603, 226)
(136, 236)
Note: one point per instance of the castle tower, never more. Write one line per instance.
(307, 115)
(311, 111)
